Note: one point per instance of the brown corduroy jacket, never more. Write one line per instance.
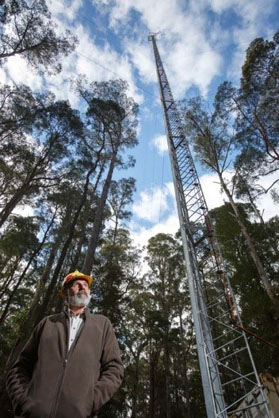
(47, 381)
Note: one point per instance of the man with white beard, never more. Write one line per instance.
(71, 364)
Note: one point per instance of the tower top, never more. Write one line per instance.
(153, 35)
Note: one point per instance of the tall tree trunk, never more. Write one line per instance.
(88, 262)
(63, 253)
(184, 368)
(9, 279)
(16, 198)
(134, 395)
(25, 186)
(33, 313)
(153, 360)
(271, 242)
(21, 277)
(250, 244)
(152, 386)
(135, 388)
(166, 316)
(167, 374)
(85, 217)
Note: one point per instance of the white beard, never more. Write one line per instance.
(79, 300)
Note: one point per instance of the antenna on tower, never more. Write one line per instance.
(155, 35)
(222, 347)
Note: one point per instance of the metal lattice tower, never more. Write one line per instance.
(231, 385)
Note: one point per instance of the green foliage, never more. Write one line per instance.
(210, 133)
(243, 120)
(120, 196)
(20, 236)
(258, 315)
(254, 107)
(34, 144)
(115, 272)
(29, 31)
(240, 123)
(168, 324)
(111, 112)
(151, 316)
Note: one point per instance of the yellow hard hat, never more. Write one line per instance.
(75, 276)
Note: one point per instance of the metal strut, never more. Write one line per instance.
(227, 368)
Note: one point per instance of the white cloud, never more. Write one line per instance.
(141, 234)
(170, 188)
(142, 58)
(195, 66)
(17, 71)
(252, 23)
(186, 49)
(220, 6)
(96, 63)
(250, 10)
(211, 189)
(24, 210)
(158, 207)
(160, 143)
(152, 204)
(66, 8)
(265, 203)
(195, 44)
(214, 197)
(170, 223)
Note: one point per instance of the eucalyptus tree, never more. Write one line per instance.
(19, 250)
(257, 313)
(70, 200)
(136, 336)
(116, 270)
(34, 147)
(258, 101)
(120, 196)
(113, 117)
(73, 200)
(214, 142)
(171, 305)
(9, 292)
(16, 246)
(18, 109)
(254, 108)
(29, 31)
(141, 341)
(244, 120)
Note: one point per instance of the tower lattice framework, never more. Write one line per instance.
(228, 372)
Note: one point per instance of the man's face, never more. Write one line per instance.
(79, 293)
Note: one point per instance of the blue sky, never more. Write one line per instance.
(203, 43)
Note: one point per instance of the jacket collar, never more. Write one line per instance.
(85, 313)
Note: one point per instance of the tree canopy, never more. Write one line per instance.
(29, 31)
